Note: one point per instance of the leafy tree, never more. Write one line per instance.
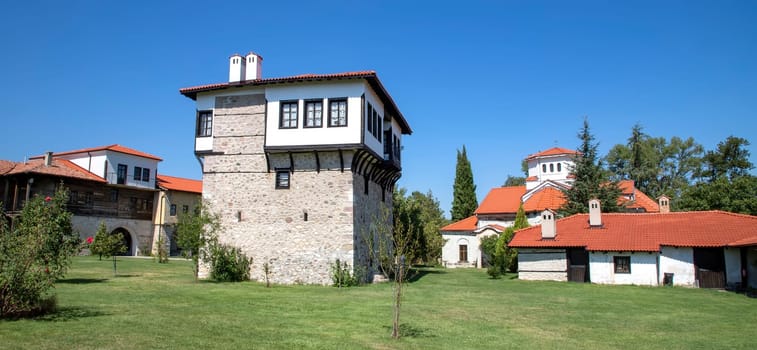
(98, 245)
(731, 160)
(194, 233)
(35, 254)
(591, 180)
(112, 246)
(514, 181)
(422, 209)
(464, 202)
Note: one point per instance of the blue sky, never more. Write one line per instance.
(504, 78)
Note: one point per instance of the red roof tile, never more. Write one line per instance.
(467, 224)
(502, 200)
(546, 198)
(114, 148)
(554, 151)
(368, 75)
(645, 232)
(179, 184)
(531, 178)
(6, 166)
(59, 167)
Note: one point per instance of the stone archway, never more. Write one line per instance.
(127, 239)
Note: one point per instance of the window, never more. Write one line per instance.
(551, 168)
(313, 114)
(204, 123)
(368, 120)
(185, 209)
(288, 115)
(544, 168)
(282, 179)
(338, 112)
(622, 264)
(137, 173)
(463, 252)
(145, 175)
(559, 167)
(121, 174)
(172, 211)
(114, 195)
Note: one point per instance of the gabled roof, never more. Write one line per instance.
(6, 166)
(369, 75)
(179, 184)
(502, 200)
(554, 151)
(59, 167)
(114, 148)
(547, 198)
(641, 200)
(645, 232)
(467, 224)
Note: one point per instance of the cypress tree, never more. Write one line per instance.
(591, 180)
(464, 201)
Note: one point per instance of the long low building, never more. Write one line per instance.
(709, 249)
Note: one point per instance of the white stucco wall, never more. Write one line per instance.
(94, 162)
(643, 268)
(680, 262)
(542, 264)
(535, 169)
(451, 250)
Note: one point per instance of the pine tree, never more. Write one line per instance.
(591, 180)
(464, 201)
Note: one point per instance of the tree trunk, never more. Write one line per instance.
(398, 280)
(114, 266)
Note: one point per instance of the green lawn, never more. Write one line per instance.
(154, 305)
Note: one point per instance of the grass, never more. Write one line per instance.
(159, 306)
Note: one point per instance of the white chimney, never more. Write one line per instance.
(595, 213)
(548, 226)
(236, 68)
(254, 66)
(664, 203)
(48, 158)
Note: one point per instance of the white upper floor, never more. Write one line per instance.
(554, 164)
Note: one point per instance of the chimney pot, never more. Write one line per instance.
(48, 158)
(236, 68)
(254, 66)
(595, 213)
(664, 203)
(548, 226)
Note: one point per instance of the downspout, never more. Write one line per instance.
(89, 164)
(28, 189)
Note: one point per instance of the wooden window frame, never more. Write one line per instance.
(305, 116)
(137, 173)
(291, 120)
(204, 123)
(622, 264)
(146, 174)
(462, 252)
(346, 112)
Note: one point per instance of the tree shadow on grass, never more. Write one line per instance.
(82, 280)
(417, 273)
(409, 331)
(69, 314)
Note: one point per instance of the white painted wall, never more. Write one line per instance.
(732, 265)
(643, 268)
(451, 250)
(680, 262)
(535, 169)
(370, 141)
(542, 264)
(93, 162)
(315, 136)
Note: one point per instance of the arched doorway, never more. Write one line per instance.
(126, 239)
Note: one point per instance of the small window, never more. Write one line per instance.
(559, 167)
(288, 115)
(368, 120)
(313, 114)
(185, 209)
(114, 195)
(551, 168)
(463, 252)
(204, 123)
(172, 211)
(137, 173)
(622, 264)
(338, 112)
(146, 175)
(282, 179)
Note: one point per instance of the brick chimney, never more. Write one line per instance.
(595, 213)
(664, 203)
(236, 68)
(548, 226)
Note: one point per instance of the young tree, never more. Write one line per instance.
(100, 241)
(35, 254)
(194, 233)
(113, 246)
(591, 180)
(464, 201)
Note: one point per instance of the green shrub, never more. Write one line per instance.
(229, 264)
(342, 276)
(161, 253)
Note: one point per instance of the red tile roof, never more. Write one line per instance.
(370, 76)
(59, 167)
(554, 151)
(6, 166)
(114, 148)
(179, 184)
(532, 178)
(467, 224)
(641, 200)
(546, 198)
(502, 200)
(645, 232)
